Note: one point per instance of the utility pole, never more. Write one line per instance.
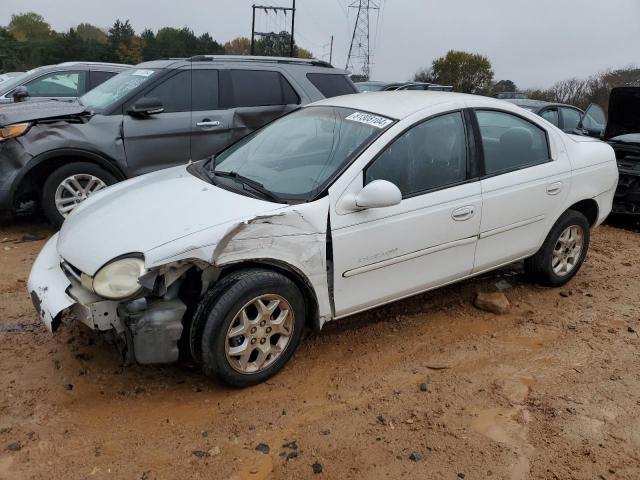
(331, 50)
(293, 22)
(359, 50)
(266, 9)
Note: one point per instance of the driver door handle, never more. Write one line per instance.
(206, 123)
(463, 213)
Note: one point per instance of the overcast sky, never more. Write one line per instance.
(532, 42)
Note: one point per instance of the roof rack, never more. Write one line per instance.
(254, 58)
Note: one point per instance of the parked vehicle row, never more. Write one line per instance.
(375, 86)
(64, 81)
(306, 220)
(156, 115)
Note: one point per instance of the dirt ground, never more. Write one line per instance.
(550, 390)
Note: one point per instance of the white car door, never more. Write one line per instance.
(524, 187)
(428, 239)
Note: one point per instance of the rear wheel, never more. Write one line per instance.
(68, 186)
(562, 252)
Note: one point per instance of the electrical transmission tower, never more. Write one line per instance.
(359, 58)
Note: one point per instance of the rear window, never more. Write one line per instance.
(331, 85)
(254, 88)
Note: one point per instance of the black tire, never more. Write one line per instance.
(56, 177)
(540, 266)
(217, 311)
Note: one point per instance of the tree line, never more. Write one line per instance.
(473, 73)
(28, 41)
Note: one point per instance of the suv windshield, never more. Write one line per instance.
(294, 157)
(116, 88)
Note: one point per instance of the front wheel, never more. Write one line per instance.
(562, 252)
(248, 327)
(68, 186)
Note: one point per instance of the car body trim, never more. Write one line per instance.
(512, 226)
(409, 256)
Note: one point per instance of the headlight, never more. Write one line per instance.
(15, 130)
(119, 279)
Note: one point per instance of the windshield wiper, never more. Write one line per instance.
(254, 185)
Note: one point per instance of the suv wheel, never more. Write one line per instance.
(562, 252)
(248, 326)
(68, 186)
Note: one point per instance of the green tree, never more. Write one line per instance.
(238, 46)
(466, 72)
(29, 26)
(504, 86)
(90, 33)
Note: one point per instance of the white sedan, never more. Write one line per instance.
(336, 208)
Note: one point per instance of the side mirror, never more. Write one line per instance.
(20, 94)
(377, 194)
(146, 106)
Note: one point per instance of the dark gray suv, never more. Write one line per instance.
(155, 115)
(64, 81)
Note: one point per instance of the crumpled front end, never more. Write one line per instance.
(146, 328)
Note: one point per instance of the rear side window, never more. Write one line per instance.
(97, 77)
(510, 142)
(204, 84)
(331, 85)
(254, 88)
(570, 118)
(174, 93)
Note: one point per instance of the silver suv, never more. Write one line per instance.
(155, 115)
(64, 81)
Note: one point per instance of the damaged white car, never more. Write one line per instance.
(339, 207)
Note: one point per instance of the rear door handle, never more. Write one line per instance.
(463, 213)
(554, 188)
(206, 123)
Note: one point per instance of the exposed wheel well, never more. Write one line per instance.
(30, 186)
(589, 208)
(310, 300)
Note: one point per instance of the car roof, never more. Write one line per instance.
(400, 104)
(240, 59)
(521, 102)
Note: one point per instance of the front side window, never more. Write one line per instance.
(99, 76)
(551, 116)
(174, 93)
(254, 88)
(570, 118)
(300, 153)
(510, 142)
(107, 94)
(430, 155)
(57, 84)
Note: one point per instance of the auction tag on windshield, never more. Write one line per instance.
(143, 73)
(369, 119)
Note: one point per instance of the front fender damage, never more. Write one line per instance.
(294, 239)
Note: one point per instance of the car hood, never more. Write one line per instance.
(17, 112)
(624, 112)
(150, 211)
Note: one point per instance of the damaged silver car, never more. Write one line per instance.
(341, 206)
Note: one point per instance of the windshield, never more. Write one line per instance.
(296, 156)
(116, 88)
